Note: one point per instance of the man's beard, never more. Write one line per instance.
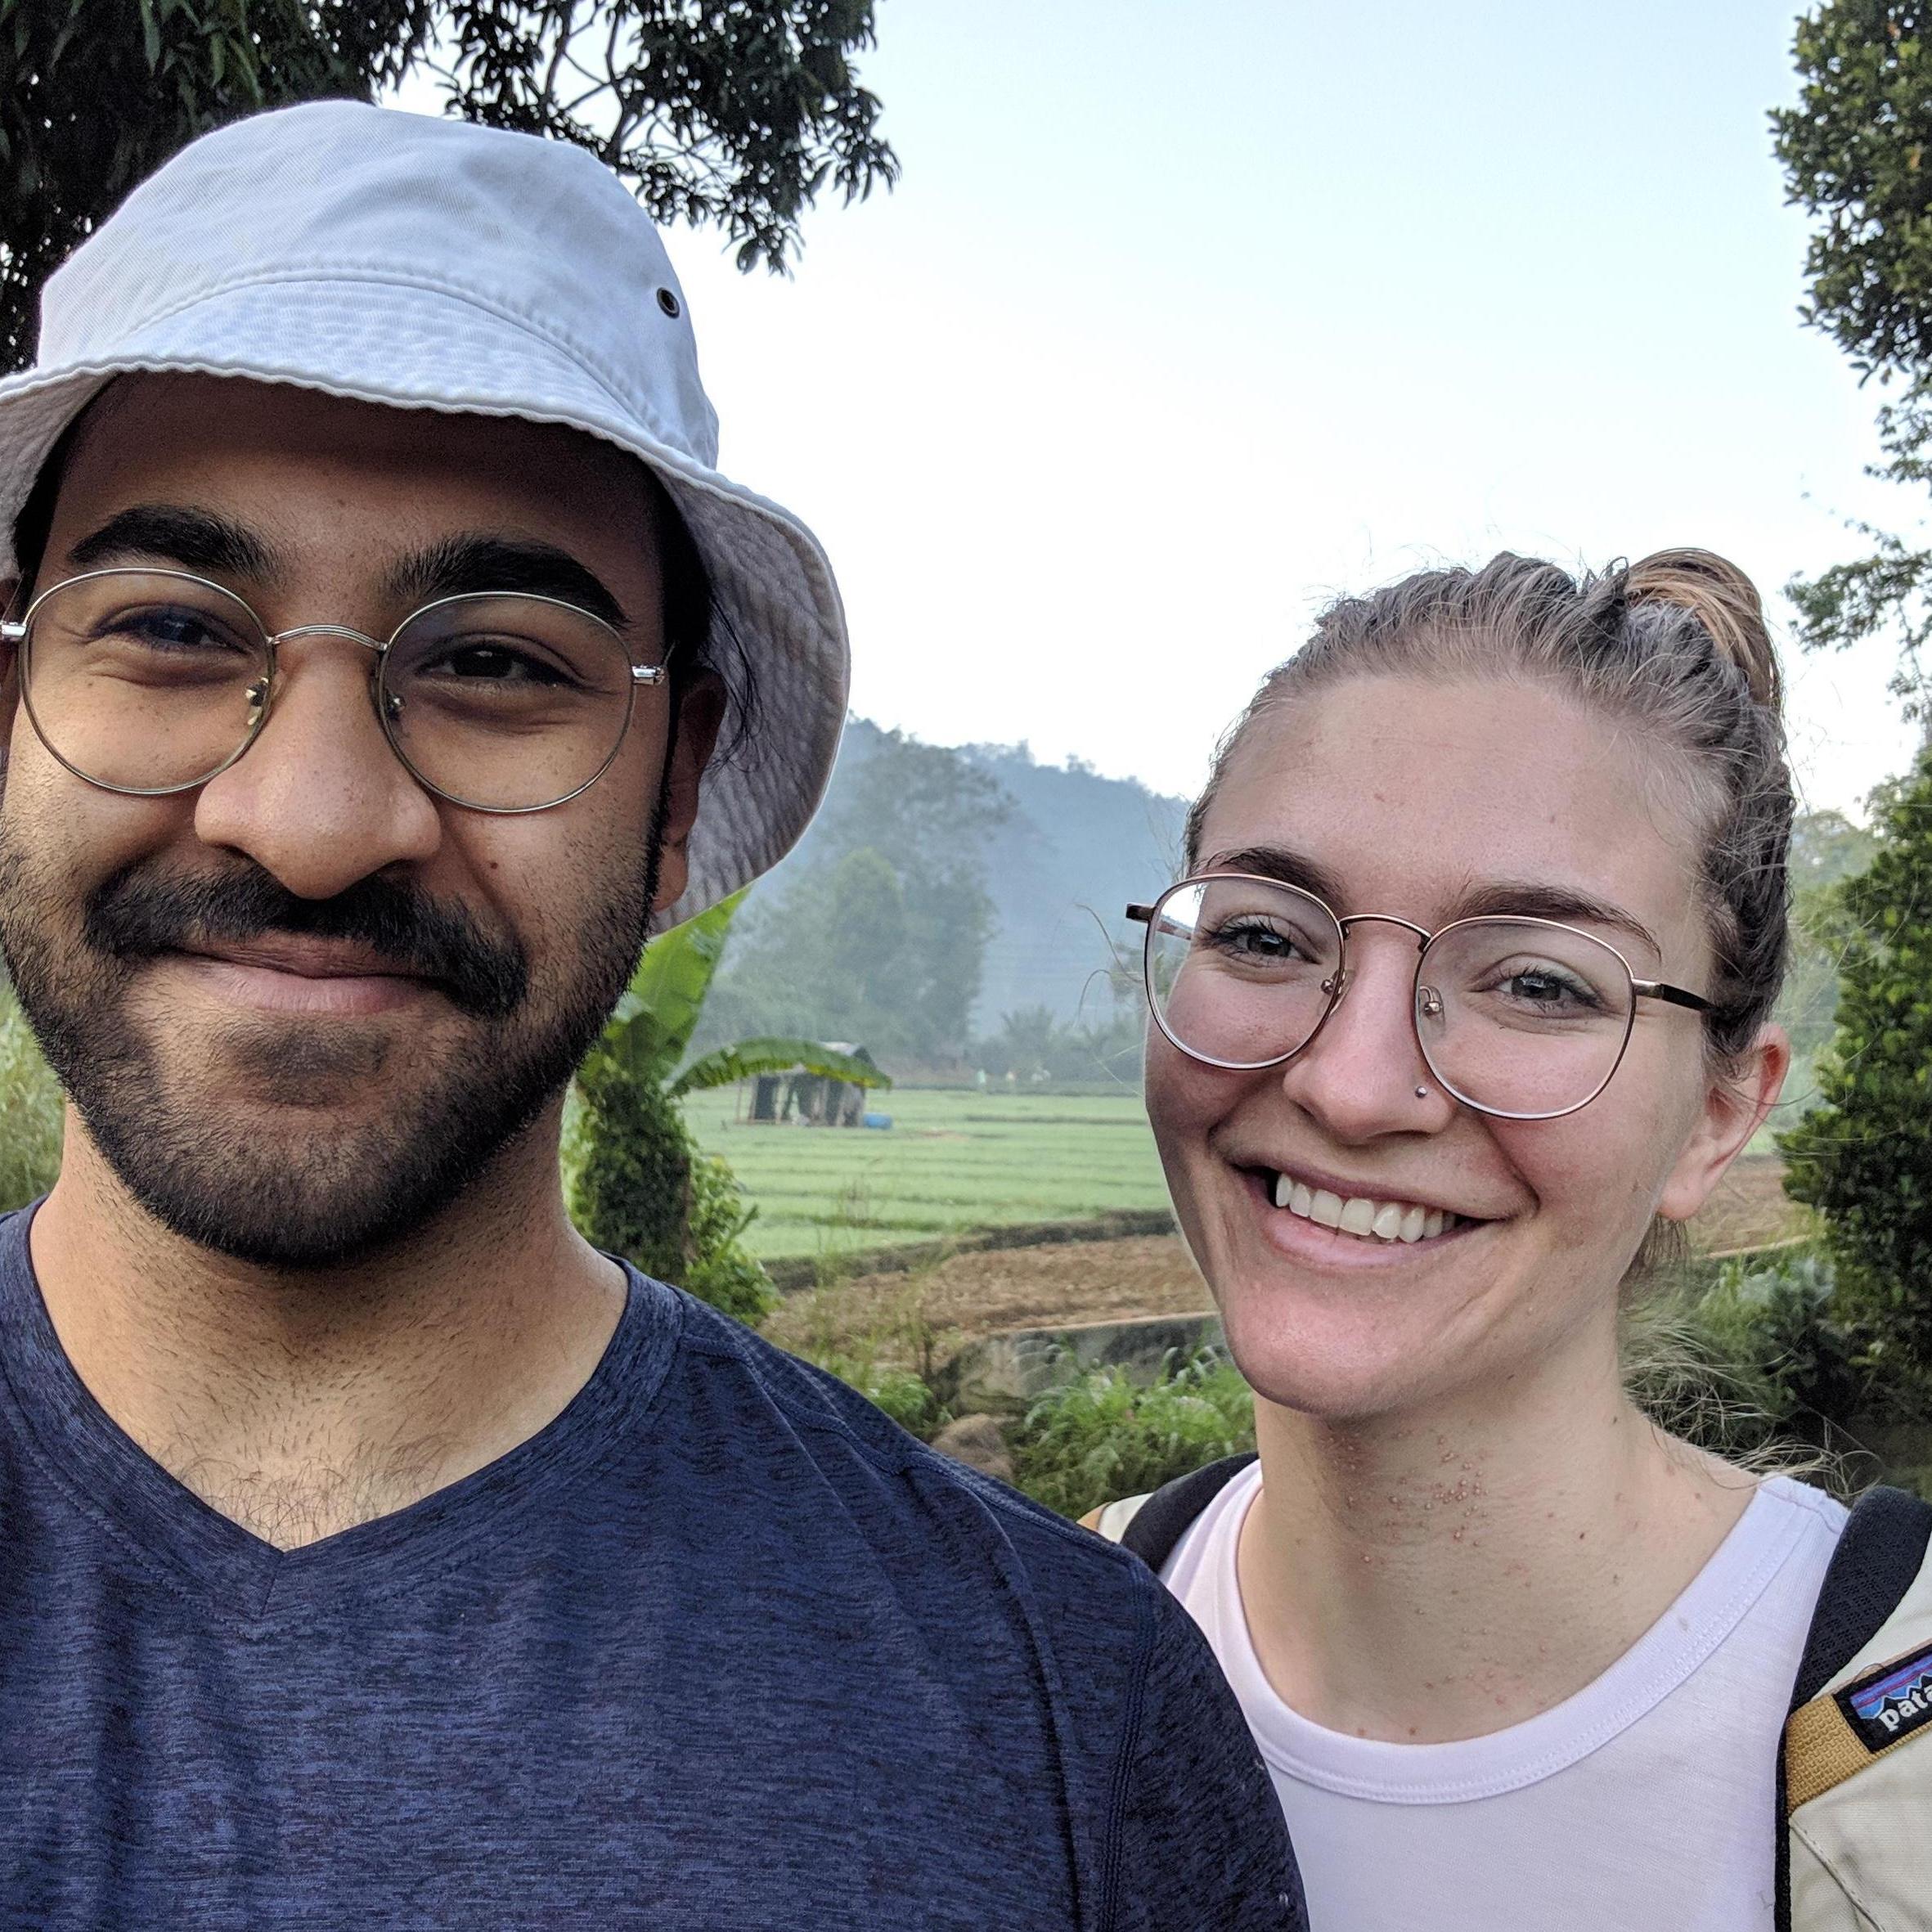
(340, 1193)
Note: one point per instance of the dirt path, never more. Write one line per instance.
(1101, 1281)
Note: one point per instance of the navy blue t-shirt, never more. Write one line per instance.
(721, 1647)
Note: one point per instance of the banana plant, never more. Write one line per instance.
(636, 1182)
(652, 1027)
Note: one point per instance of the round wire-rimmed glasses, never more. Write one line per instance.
(149, 682)
(1521, 1018)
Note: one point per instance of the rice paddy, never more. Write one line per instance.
(952, 1160)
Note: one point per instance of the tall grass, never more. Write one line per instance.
(891, 1354)
(1104, 1436)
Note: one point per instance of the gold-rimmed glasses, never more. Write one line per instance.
(1522, 1018)
(155, 681)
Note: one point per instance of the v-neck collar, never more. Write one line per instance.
(112, 1481)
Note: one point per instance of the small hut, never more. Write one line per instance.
(815, 1099)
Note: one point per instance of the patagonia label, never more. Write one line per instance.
(1891, 1702)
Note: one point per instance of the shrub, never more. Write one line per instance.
(1104, 1436)
(1750, 1364)
(1863, 1156)
(30, 1111)
(638, 1186)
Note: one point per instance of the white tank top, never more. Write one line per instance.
(1646, 1801)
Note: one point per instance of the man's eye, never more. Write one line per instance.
(495, 663)
(165, 629)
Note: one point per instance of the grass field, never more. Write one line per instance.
(952, 1160)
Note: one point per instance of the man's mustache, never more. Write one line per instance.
(137, 914)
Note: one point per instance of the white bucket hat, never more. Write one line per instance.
(395, 259)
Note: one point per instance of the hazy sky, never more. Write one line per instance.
(1187, 316)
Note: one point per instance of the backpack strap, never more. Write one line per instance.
(1881, 1556)
(1152, 1525)
(1878, 1556)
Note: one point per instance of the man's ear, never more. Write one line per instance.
(1736, 1104)
(699, 717)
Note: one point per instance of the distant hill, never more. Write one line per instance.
(1078, 847)
(1072, 841)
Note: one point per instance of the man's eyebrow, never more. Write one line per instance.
(463, 566)
(180, 535)
(1279, 863)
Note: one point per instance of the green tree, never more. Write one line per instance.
(879, 935)
(826, 958)
(1855, 150)
(1863, 1156)
(736, 112)
(1826, 849)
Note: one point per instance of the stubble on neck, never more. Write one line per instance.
(299, 1404)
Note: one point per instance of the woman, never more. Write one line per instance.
(1468, 995)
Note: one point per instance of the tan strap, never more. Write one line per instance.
(1831, 1738)
(1820, 1751)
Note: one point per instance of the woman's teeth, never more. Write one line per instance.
(1378, 1220)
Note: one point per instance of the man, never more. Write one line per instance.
(373, 1551)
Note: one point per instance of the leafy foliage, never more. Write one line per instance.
(98, 93)
(738, 112)
(733, 111)
(1854, 149)
(1104, 1436)
(1826, 849)
(637, 1184)
(659, 1012)
(1752, 1363)
(776, 1055)
(30, 1111)
(1863, 1156)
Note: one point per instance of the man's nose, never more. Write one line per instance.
(1359, 1076)
(321, 799)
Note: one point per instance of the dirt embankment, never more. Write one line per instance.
(970, 1295)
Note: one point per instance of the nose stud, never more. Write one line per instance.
(1422, 1092)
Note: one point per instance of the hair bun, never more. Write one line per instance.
(1725, 603)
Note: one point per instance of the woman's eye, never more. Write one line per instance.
(1539, 988)
(1254, 942)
